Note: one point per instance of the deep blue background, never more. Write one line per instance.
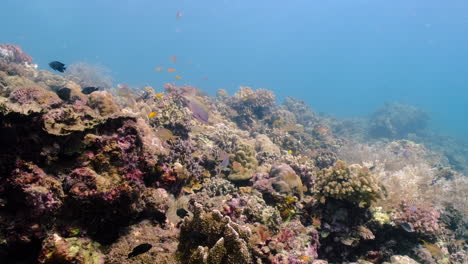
(344, 57)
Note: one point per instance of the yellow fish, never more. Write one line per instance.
(159, 95)
(178, 77)
(158, 69)
(290, 152)
(152, 114)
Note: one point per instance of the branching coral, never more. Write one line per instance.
(251, 105)
(351, 183)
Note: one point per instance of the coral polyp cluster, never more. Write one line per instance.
(351, 183)
(136, 175)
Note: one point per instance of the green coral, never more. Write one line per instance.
(352, 183)
(243, 162)
(57, 249)
(380, 216)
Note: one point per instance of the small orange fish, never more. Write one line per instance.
(152, 114)
(178, 77)
(159, 95)
(158, 69)
(174, 58)
(171, 70)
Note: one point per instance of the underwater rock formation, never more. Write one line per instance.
(397, 121)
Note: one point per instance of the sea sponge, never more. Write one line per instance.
(214, 239)
(103, 102)
(243, 163)
(352, 183)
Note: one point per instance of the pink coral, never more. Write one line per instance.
(26, 95)
(422, 219)
(37, 190)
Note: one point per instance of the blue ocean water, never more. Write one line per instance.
(342, 57)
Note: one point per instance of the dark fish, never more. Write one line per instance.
(140, 249)
(88, 90)
(58, 66)
(181, 212)
(64, 93)
(407, 227)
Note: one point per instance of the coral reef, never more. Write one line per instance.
(136, 175)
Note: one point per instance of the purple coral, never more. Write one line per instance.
(25, 95)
